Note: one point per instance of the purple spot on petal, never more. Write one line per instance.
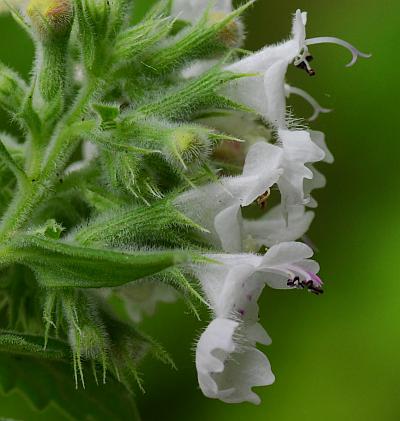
(241, 312)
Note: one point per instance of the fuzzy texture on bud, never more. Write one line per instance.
(50, 17)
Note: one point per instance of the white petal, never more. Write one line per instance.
(256, 333)
(245, 370)
(276, 227)
(299, 150)
(228, 227)
(226, 370)
(274, 85)
(299, 27)
(286, 253)
(263, 163)
(319, 139)
(309, 266)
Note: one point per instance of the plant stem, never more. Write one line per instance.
(59, 150)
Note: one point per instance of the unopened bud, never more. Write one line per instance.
(190, 144)
(50, 17)
(232, 34)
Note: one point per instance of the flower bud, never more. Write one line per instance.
(50, 17)
(232, 34)
(189, 144)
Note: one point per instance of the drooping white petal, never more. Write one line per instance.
(275, 226)
(227, 361)
(319, 139)
(299, 150)
(228, 370)
(318, 180)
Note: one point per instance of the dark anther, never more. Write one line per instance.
(295, 283)
(309, 285)
(303, 63)
(312, 288)
(263, 199)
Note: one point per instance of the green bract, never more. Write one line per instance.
(74, 224)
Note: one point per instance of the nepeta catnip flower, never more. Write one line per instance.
(155, 161)
(228, 363)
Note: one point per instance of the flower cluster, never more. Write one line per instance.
(227, 360)
(154, 161)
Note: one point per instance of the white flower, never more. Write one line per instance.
(193, 10)
(265, 92)
(228, 363)
(217, 206)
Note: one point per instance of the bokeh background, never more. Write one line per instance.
(336, 357)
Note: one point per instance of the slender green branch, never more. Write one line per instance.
(58, 152)
(12, 165)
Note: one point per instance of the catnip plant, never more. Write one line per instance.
(154, 161)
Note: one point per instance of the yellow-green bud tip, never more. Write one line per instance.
(232, 34)
(190, 144)
(50, 15)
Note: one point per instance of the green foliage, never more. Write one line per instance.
(45, 382)
(76, 224)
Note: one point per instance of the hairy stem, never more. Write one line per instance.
(58, 152)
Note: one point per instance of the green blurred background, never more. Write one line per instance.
(336, 357)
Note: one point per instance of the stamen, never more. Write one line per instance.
(302, 61)
(311, 100)
(332, 40)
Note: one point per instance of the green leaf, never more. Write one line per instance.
(31, 345)
(60, 264)
(160, 223)
(193, 96)
(45, 382)
(199, 41)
